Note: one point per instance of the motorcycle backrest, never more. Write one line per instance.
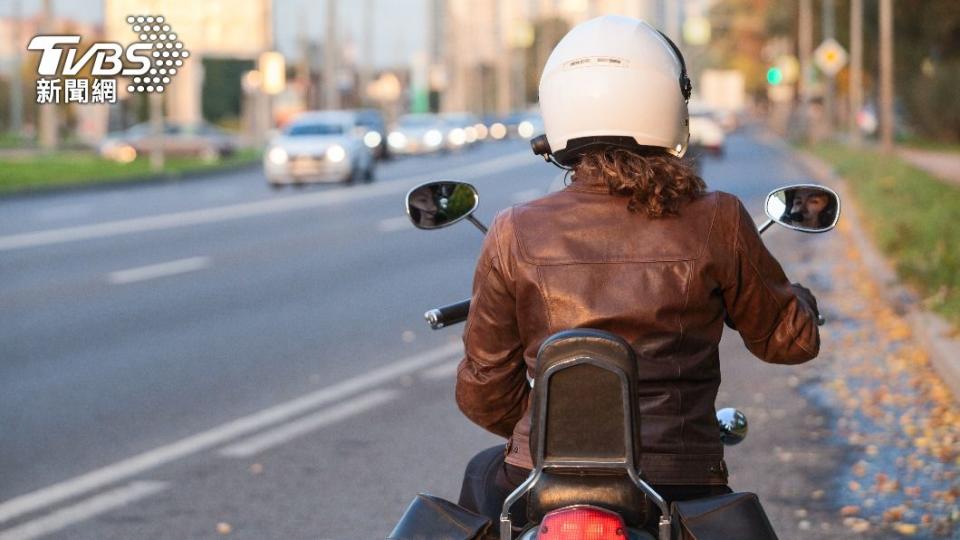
(584, 388)
(584, 436)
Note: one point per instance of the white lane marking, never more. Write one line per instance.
(153, 271)
(201, 441)
(251, 209)
(441, 371)
(83, 510)
(401, 223)
(526, 195)
(298, 428)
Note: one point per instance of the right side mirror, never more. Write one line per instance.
(439, 204)
(804, 207)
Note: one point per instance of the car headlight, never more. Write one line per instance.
(498, 130)
(433, 137)
(457, 136)
(277, 156)
(336, 153)
(525, 129)
(397, 139)
(372, 139)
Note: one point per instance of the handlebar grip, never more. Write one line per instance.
(447, 315)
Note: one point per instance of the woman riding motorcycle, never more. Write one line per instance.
(635, 246)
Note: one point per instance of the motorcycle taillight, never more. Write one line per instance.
(582, 523)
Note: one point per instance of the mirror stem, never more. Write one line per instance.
(476, 222)
(766, 225)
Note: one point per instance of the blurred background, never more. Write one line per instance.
(212, 297)
(811, 69)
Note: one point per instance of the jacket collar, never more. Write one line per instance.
(590, 185)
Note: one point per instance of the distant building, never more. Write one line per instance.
(88, 122)
(486, 56)
(209, 29)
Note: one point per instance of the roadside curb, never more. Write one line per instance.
(134, 181)
(931, 329)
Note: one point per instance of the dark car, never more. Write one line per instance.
(201, 140)
(376, 136)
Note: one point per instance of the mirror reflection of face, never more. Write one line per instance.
(807, 206)
(422, 200)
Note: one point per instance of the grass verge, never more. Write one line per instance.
(44, 171)
(913, 217)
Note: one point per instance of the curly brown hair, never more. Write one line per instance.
(657, 182)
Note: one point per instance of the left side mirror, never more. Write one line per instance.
(804, 207)
(439, 204)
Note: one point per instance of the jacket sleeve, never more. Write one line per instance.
(775, 324)
(491, 379)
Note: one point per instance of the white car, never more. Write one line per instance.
(319, 146)
(417, 134)
(706, 133)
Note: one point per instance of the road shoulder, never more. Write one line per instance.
(932, 330)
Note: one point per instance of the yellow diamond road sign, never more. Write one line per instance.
(830, 57)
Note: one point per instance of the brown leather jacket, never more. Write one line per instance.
(579, 259)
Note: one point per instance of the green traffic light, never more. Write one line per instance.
(774, 76)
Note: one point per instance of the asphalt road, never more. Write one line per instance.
(212, 358)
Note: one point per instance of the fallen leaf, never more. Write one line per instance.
(857, 525)
(907, 529)
(849, 510)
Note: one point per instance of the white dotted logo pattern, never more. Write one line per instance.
(167, 56)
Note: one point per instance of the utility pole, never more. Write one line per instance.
(886, 75)
(48, 124)
(805, 43)
(366, 72)
(16, 85)
(828, 14)
(331, 93)
(856, 68)
(503, 60)
(672, 23)
(157, 135)
(156, 129)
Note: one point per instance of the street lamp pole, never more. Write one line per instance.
(828, 13)
(805, 44)
(16, 85)
(48, 124)
(886, 75)
(330, 56)
(856, 68)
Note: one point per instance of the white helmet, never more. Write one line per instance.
(614, 81)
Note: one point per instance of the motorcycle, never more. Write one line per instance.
(585, 483)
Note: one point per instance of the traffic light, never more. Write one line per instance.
(774, 75)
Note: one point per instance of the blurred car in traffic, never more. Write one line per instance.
(202, 140)
(705, 132)
(496, 129)
(374, 129)
(319, 146)
(419, 133)
(523, 124)
(530, 125)
(461, 130)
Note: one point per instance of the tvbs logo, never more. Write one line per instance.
(150, 63)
